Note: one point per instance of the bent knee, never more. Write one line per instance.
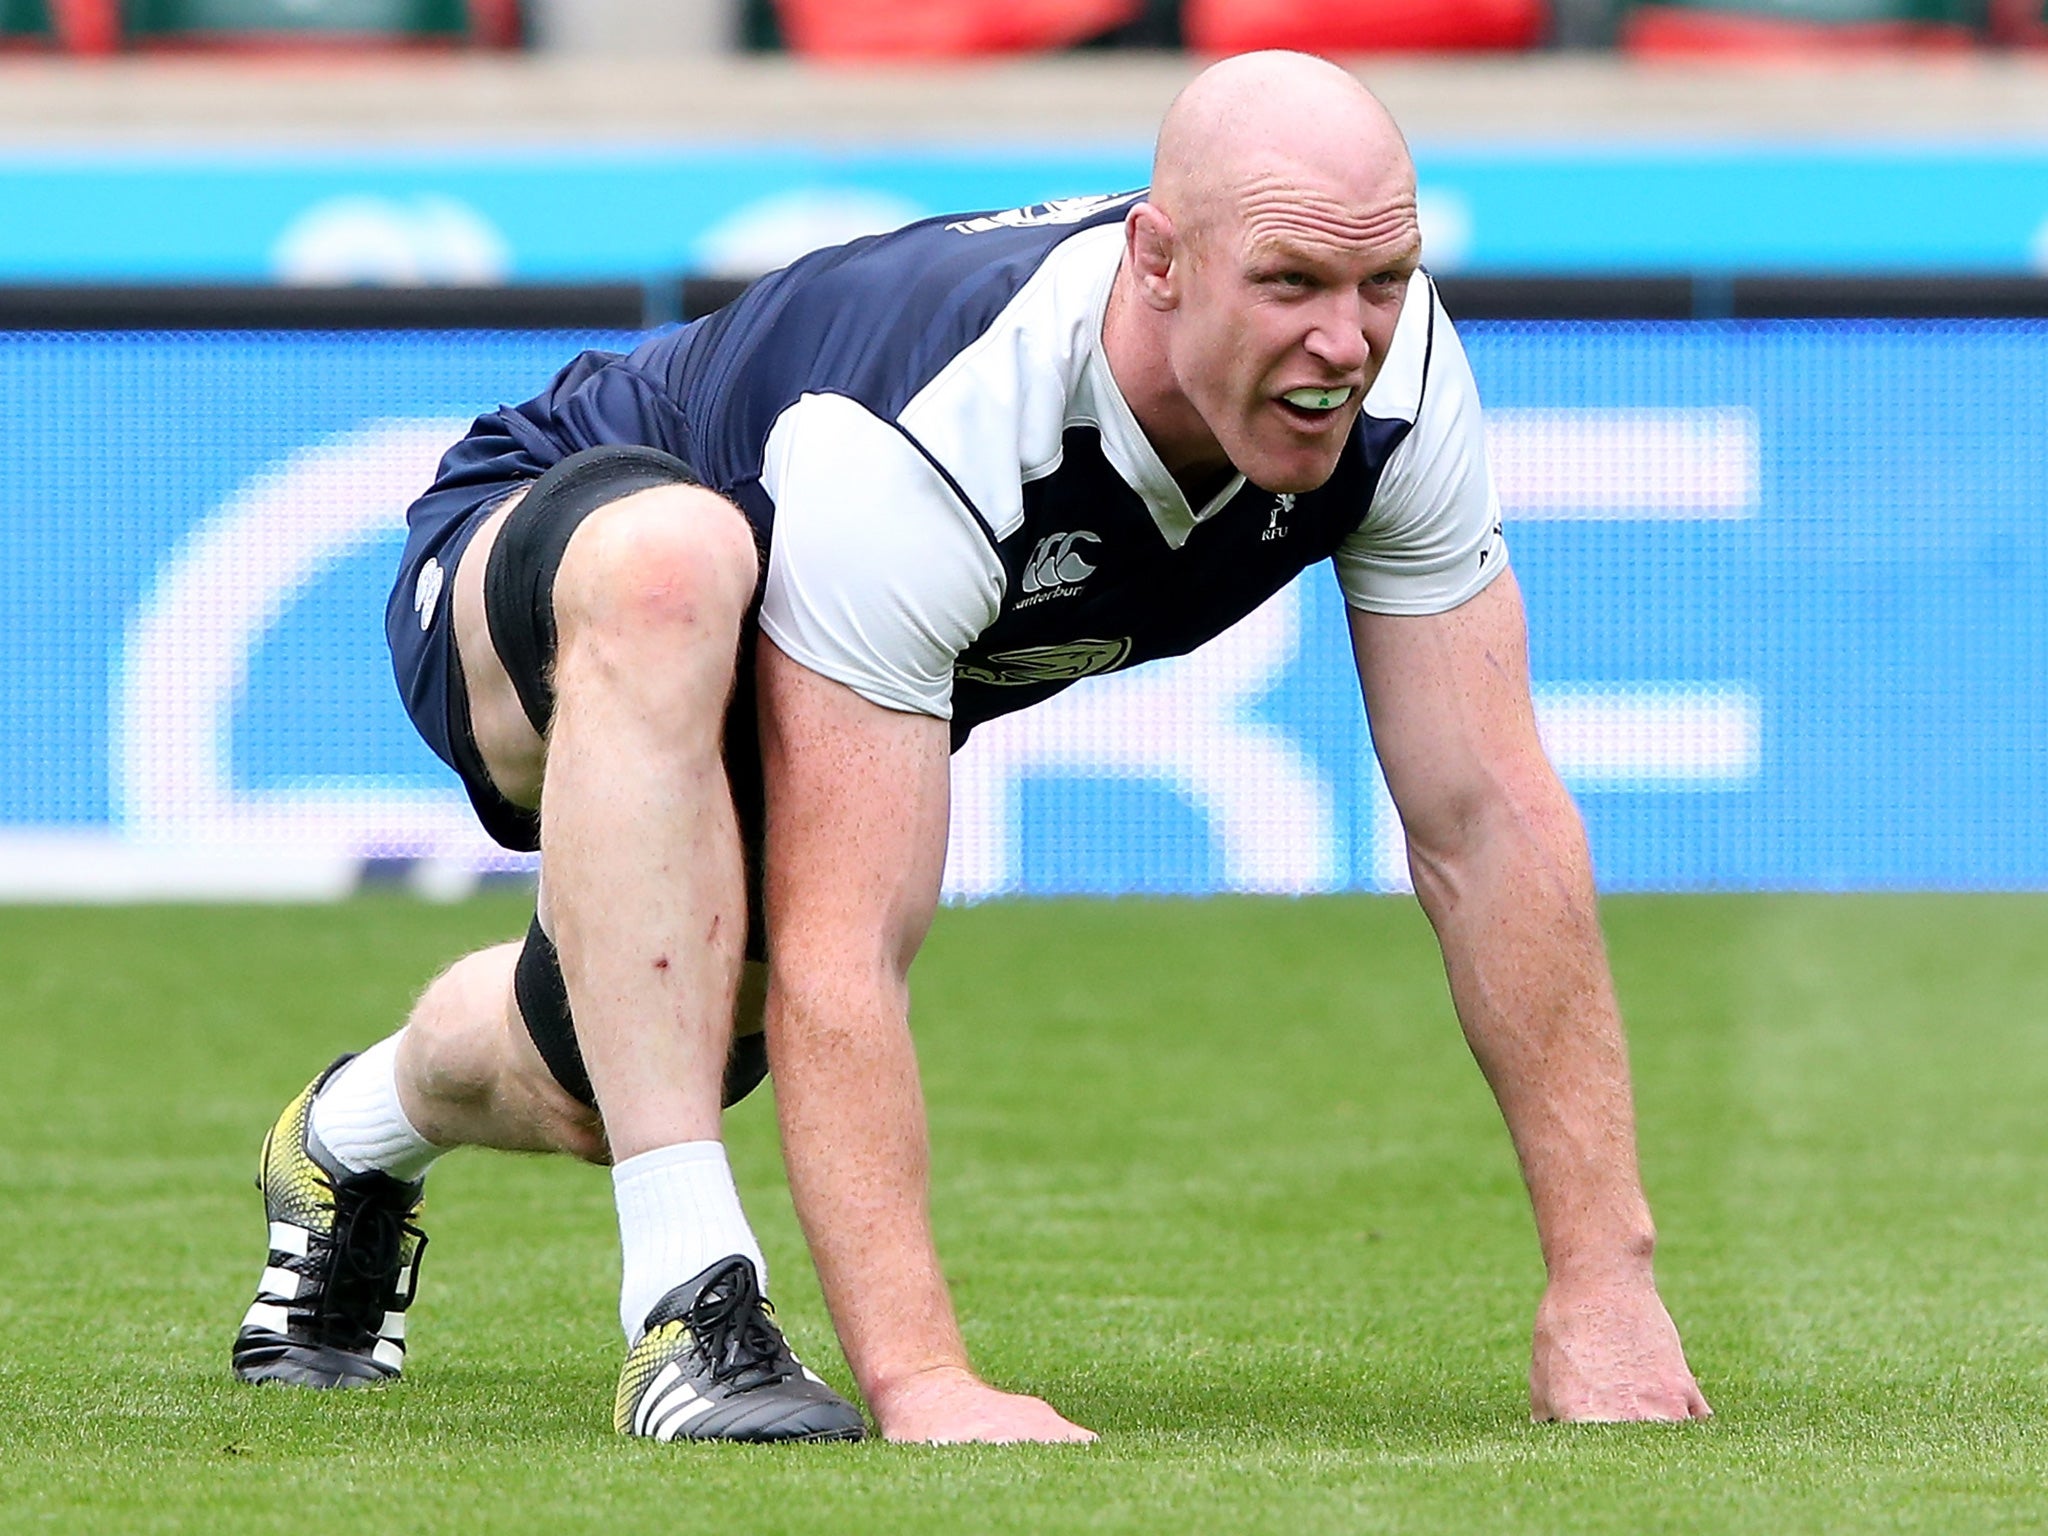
(677, 561)
(449, 1042)
(469, 1052)
(566, 1124)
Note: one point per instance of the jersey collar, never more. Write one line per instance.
(1098, 402)
(1396, 395)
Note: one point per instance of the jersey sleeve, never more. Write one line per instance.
(1432, 538)
(878, 575)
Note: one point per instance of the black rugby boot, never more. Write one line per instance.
(344, 1263)
(712, 1365)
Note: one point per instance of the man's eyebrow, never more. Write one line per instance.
(1279, 250)
(1273, 250)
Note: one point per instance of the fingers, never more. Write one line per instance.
(954, 1408)
(1012, 1420)
(1610, 1356)
(1662, 1392)
(1627, 1404)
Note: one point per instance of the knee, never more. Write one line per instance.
(672, 568)
(449, 1048)
(477, 1076)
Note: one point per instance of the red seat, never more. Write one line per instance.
(1668, 31)
(2020, 23)
(870, 29)
(87, 26)
(1365, 26)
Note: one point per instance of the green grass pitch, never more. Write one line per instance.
(1217, 1177)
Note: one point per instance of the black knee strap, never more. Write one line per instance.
(519, 578)
(543, 999)
(745, 1065)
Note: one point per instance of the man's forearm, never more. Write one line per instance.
(854, 1139)
(1513, 907)
(1500, 864)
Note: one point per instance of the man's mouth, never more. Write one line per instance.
(1312, 404)
(1316, 398)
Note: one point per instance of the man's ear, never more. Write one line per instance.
(1154, 256)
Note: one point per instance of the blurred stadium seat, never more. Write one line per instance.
(2019, 23)
(851, 29)
(324, 23)
(1789, 28)
(1365, 26)
(871, 29)
(26, 21)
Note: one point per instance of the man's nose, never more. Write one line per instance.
(1338, 340)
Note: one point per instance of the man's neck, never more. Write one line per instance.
(1134, 346)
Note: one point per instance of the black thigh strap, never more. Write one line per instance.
(519, 580)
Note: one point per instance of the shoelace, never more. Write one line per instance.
(731, 1323)
(368, 1246)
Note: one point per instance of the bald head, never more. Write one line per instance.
(1264, 274)
(1260, 123)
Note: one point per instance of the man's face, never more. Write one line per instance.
(1288, 304)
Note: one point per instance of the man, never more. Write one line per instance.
(711, 608)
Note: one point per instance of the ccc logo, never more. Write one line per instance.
(1058, 562)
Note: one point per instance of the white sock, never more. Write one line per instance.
(679, 1213)
(359, 1120)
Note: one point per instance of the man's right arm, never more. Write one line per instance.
(877, 577)
(856, 843)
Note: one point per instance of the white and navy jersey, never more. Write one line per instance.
(961, 512)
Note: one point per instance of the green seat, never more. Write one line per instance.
(25, 19)
(205, 20)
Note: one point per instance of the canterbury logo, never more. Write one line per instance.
(1057, 562)
(1047, 663)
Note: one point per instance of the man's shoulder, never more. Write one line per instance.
(879, 318)
(957, 262)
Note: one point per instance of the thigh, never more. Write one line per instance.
(504, 603)
(511, 750)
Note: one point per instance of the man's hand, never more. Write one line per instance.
(1608, 1352)
(949, 1406)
